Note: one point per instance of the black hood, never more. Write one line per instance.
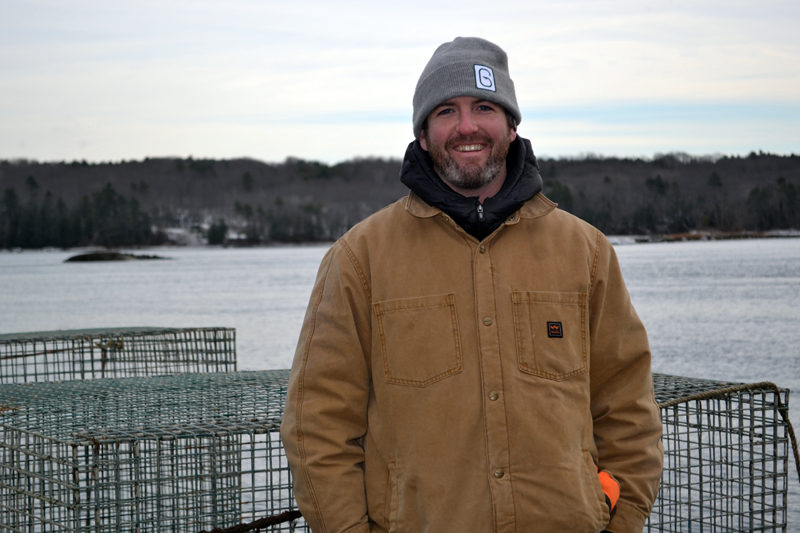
(522, 183)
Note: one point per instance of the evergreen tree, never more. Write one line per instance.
(10, 219)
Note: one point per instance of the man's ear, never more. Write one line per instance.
(423, 141)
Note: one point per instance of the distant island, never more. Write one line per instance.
(187, 201)
(109, 256)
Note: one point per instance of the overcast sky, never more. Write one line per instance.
(332, 80)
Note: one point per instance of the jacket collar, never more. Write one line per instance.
(417, 207)
(536, 207)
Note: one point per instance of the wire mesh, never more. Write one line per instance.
(114, 352)
(194, 452)
(177, 453)
(726, 450)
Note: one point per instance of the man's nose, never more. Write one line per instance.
(466, 124)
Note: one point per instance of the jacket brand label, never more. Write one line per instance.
(554, 329)
(484, 78)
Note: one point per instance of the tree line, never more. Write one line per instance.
(104, 218)
(677, 194)
(244, 201)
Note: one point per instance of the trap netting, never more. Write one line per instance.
(114, 352)
(180, 453)
(726, 451)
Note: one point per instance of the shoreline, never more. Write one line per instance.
(703, 235)
(688, 236)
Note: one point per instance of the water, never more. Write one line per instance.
(723, 309)
(727, 310)
(262, 292)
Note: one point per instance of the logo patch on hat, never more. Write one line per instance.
(484, 78)
(555, 330)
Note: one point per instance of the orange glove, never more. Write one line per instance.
(610, 489)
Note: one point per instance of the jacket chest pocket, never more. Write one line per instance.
(551, 333)
(419, 339)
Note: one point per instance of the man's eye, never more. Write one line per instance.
(445, 111)
(485, 108)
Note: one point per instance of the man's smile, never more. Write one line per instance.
(469, 147)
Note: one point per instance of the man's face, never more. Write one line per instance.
(468, 139)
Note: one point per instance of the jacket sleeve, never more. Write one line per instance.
(627, 421)
(326, 404)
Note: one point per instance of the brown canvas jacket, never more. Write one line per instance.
(442, 384)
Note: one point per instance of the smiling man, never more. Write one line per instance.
(470, 360)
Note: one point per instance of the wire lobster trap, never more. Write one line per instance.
(179, 453)
(115, 352)
(726, 451)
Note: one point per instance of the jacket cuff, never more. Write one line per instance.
(627, 519)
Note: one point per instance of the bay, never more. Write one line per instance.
(725, 310)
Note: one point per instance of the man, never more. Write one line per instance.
(470, 360)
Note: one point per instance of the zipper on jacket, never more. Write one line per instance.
(479, 208)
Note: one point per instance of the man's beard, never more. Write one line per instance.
(469, 176)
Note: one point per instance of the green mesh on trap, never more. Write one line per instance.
(726, 451)
(114, 352)
(176, 453)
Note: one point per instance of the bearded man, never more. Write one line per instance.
(470, 360)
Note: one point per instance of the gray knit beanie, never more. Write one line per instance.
(467, 66)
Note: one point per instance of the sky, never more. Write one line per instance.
(330, 81)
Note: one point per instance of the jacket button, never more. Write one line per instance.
(482, 249)
(499, 473)
(487, 321)
(493, 396)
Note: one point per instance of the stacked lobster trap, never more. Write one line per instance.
(726, 452)
(114, 352)
(178, 453)
(200, 449)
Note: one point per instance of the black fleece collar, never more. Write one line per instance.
(522, 183)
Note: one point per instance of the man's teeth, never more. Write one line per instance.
(469, 148)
